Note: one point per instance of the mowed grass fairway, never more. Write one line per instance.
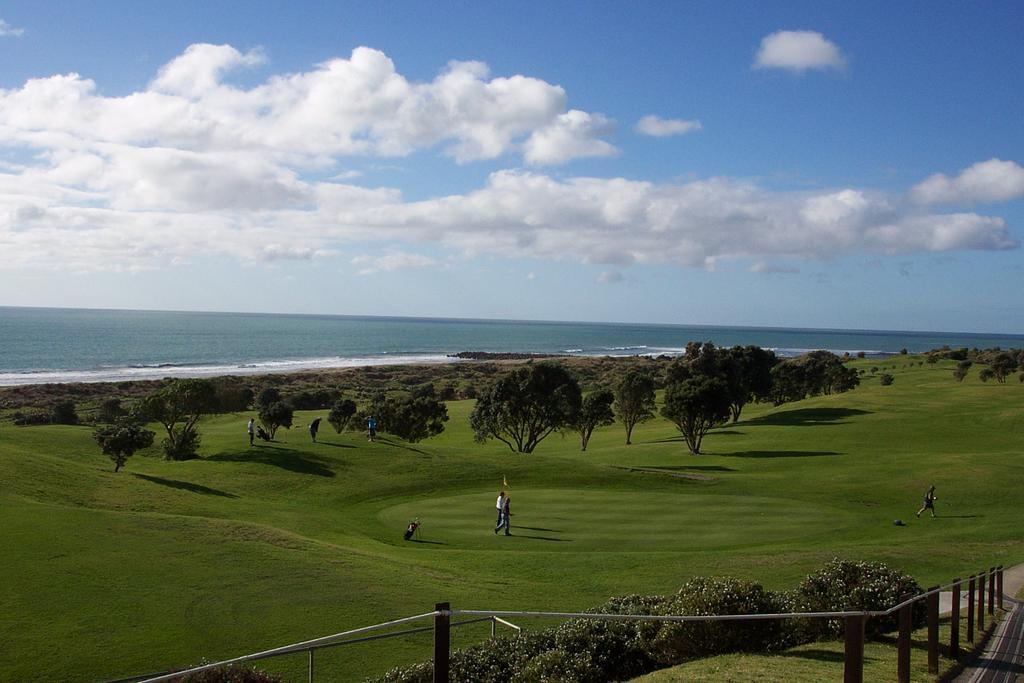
(162, 564)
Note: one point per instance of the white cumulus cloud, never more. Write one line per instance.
(994, 180)
(355, 106)
(8, 30)
(658, 127)
(572, 135)
(193, 166)
(798, 51)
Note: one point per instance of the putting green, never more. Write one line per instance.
(574, 520)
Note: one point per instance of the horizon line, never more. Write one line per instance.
(518, 320)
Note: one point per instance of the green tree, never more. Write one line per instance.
(121, 440)
(413, 416)
(695, 405)
(110, 411)
(1003, 365)
(634, 399)
(961, 370)
(748, 374)
(178, 406)
(232, 396)
(986, 374)
(812, 374)
(64, 412)
(522, 408)
(341, 414)
(595, 411)
(267, 397)
(276, 415)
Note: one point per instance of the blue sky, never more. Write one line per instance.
(853, 165)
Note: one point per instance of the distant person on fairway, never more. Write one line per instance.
(500, 507)
(929, 501)
(314, 427)
(506, 517)
(371, 428)
(252, 430)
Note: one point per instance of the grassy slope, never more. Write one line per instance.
(164, 563)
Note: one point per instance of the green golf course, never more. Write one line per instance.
(165, 564)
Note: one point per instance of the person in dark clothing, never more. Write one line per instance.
(314, 427)
(252, 429)
(929, 501)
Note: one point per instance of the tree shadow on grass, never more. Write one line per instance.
(777, 454)
(807, 417)
(334, 445)
(185, 486)
(285, 458)
(692, 468)
(397, 444)
(816, 655)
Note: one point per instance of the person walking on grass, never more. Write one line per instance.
(500, 507)
(506, 517)
(314, 427)
(252, 430)
(371, 428)
(929, 501)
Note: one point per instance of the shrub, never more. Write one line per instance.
(342, 414)
(110, 411)
(721, 595)
(233, 673)
(846, 585)
(587, 651)
(231, 397)
(185, 447)
(886, 379)
(64, 412)
(34, 417)
(317, 399)
(275, 416)
(563, 666)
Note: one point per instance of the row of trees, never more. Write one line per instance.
(180, 404)
(704, 388)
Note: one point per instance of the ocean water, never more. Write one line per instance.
(40, 345)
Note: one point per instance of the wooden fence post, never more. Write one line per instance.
(970, 609)
(954, 622)
(999, 585)
(903, 643)
(981, 604)
(442, 641)
(933, 631)
(853, 665)
(992, 590)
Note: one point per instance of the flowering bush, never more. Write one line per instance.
(590, 651)
(846, 585)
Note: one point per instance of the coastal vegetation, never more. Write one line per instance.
(244, 548)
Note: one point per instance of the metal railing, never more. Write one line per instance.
(854, 623)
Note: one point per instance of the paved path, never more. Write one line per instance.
(1013, 581)
(1003, 658)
